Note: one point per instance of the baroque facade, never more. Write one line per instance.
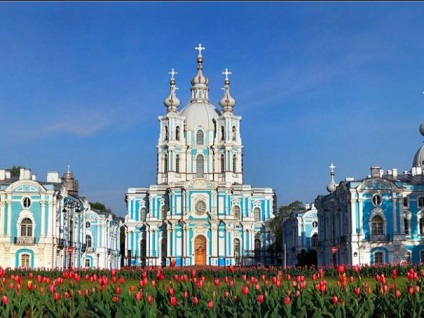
(199, 212)
(300, 234)
(374, 220)
(46, 224)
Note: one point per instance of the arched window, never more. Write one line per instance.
(234, 133)
(199, 137)
(143, 214)
(165, 163)
(314, 240)
(199, 166)
(166, 133)
(177, 163)
(408, 256)
(222, 163)
(237, 250)
(177, 133)
(257, 214)
(378, 258)
(236, 212)
(222, 133)
(377, 225)
(26, 227)
(234, 163)
(87, 262)
(88, 241)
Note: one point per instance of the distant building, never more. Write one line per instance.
(199, 212)
(300, 233)
(43, 224)
(374, 220)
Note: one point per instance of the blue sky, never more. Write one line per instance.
(82, 84)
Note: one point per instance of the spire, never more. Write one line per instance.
(172, 102)
(227, 102)
(199, 83)
(332, 185)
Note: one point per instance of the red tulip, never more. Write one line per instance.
(245, 290)
(173, 301)
(150, 299)
(232, 269)
(287, 300)
(4, 300)
(115, 299)
(260, 298)
(56, 296)
(171, 291)
(121, 280)
(210, 304)
(216, 282)
(138, 296)
(118, 290)
(67, 295)
(357, 290)
(411, 290)
(185, 294)
(397, 293)
(334, 299)
(195, 300)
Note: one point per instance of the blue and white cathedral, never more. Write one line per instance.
(199, 212)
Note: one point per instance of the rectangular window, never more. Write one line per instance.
(87, 262)
(421, 226)
(422, 256)
(25, 260)
(421, 202)
(405, 202)
(406, 225)
(378, 258)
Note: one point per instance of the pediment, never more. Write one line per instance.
(378, 184)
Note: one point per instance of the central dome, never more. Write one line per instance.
(200, 114)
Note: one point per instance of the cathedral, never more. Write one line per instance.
(199, 212)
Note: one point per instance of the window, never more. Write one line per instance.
(315, 224)
(177, 133)
(234, 163)
(237, 250)
(236, 212)
(422, 256)
(421, 202)
(25, 260)
(177, 163)
(87, 262)
(26, 227)
(199, 137)
(222, 133)
(88, 241)
(378, 258)
(222, 163)
(406, 225)
(165, 163)
(26, 202)
(257, 247)
(199, 166)
(405, 202)
(143, 214)
(314, 240)
(376, 200)
(87, 225)
(257, 214)
(234, 133)
(200, 207)
(166, 133)
(377, 225)
(421, 225)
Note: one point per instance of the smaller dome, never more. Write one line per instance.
(331, 187)
(422, 129)
(419, 158)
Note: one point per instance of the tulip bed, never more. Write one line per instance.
(382, 291)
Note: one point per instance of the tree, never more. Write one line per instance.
(15, 171)
(276, 223)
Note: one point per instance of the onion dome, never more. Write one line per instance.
(332, 185)
(199, 83)
(227, 102)
(172, 101)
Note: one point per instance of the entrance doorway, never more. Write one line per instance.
(200, 250)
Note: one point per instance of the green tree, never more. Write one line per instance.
(276, 223)
(15, 171)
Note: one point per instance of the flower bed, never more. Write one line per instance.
(212, 292)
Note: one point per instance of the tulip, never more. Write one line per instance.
(216, 282)
(334, 299)
(115, 299)
(4, 300)
(150, 299)
(245, 290)
(56, 296)
(287, 300)
(210, 304)
(195, 300)
(173, 301)
(138, 296)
